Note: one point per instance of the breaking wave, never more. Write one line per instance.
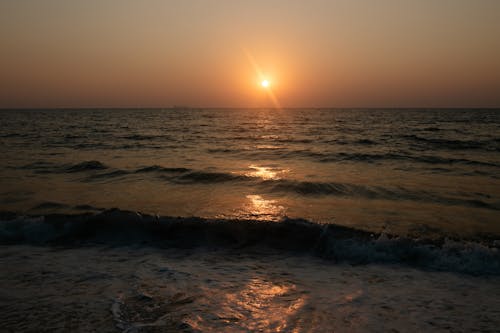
(332, 242)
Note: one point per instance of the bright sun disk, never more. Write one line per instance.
(264, 83)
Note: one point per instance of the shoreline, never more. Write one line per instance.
(143, 289)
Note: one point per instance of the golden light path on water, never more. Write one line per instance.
(255, 206)
(266, 173)
(261, 208)
(260, 306)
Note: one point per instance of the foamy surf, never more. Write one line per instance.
(138, 288)
(335, 243)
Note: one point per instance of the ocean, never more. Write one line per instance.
(237, 220)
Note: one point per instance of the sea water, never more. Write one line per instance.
(237, 220)
(401, 171)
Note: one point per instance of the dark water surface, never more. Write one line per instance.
(406, 172)
(288, 221)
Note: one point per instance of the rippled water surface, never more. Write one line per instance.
(94, 289)
(413, 172)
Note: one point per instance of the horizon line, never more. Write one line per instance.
(181, 108)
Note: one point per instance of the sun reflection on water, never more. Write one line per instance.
(264, 209)
(266, 173)
(260, 305)
(256, 207)
(267, 304)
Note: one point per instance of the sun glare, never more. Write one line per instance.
(264, 83)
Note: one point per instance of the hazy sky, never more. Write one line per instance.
(379, 53)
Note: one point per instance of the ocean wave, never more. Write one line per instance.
(366, 157)
(208, 177)
(274, 152)
(307, 188)
(106, 175)
(51, 205)
(223, 151)
(175, 175)
(38, 167)
(161, 169)
(97, 171)
(87, 165)
(136, 144)
(488, 145)
(324, 156)
(49, 167)
(371, 192)
(374, 157)
(356, 142)
(293, 140)
(139, 137)
(332, 242)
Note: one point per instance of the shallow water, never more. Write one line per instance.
(142, 289)
(399, 171)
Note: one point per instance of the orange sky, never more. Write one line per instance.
(344, 53)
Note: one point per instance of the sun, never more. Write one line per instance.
(265, 83)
